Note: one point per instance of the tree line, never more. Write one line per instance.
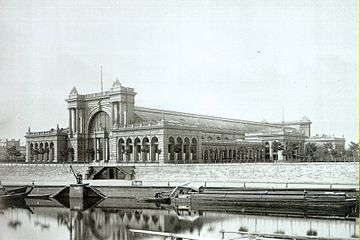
(315, 153)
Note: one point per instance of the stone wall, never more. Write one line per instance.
(259, 172)
(215, 174)
(49, 173)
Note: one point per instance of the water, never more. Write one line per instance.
(113, 219)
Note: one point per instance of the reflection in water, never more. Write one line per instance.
(50, 220)
(115, 223)
(14, 224)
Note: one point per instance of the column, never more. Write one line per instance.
(46, 156)
(27, 157)
(55, 152)
(81, 127)
(271, 151)
(73, 119)
(101, 153)
(134, 155)
(82, 120)
(70, 121)
(182, 152)
(280, 153)
(77, 120)
(167, 148)
(125, 119)
(120, 111)
(151, 159)
(142, 154)
(106, 149)
(115, 114)
(94, 145)
(95, 150)
(148, 154)
(51, 154)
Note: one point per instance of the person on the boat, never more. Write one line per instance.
(79, 178)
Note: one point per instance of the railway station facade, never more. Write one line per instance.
(109, 127)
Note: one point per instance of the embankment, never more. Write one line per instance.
(152, 174)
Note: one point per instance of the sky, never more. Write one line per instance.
(237, 59)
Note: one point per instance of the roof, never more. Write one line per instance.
(150, 115)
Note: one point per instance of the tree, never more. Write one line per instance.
(353, 149)
(90, 153)
(68, 152)
(47, 150)
(35, 152)
(177, 148)
(128, 151)
(290, 150)
(310, 150)
(287, 153)
(13, 153)
(277, 146)
(145, 149)
(329, 149)
(335, 154)
(41, 151)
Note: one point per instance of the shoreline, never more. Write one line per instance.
(250, 174)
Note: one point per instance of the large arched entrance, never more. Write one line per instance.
(98, 142)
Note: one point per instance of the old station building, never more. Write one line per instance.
(108, 126)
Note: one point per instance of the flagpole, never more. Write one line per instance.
(102, 89)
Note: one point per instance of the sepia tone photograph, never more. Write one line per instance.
(179, 119)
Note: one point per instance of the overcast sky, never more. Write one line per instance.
(237, 59)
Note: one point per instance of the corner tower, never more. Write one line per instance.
(123, 102)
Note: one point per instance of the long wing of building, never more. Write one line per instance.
(107, 126)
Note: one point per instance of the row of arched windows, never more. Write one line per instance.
(182, 150)
(138, 149)
(241, 154)
(43, 152)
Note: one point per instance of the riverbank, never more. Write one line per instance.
(327, 173)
